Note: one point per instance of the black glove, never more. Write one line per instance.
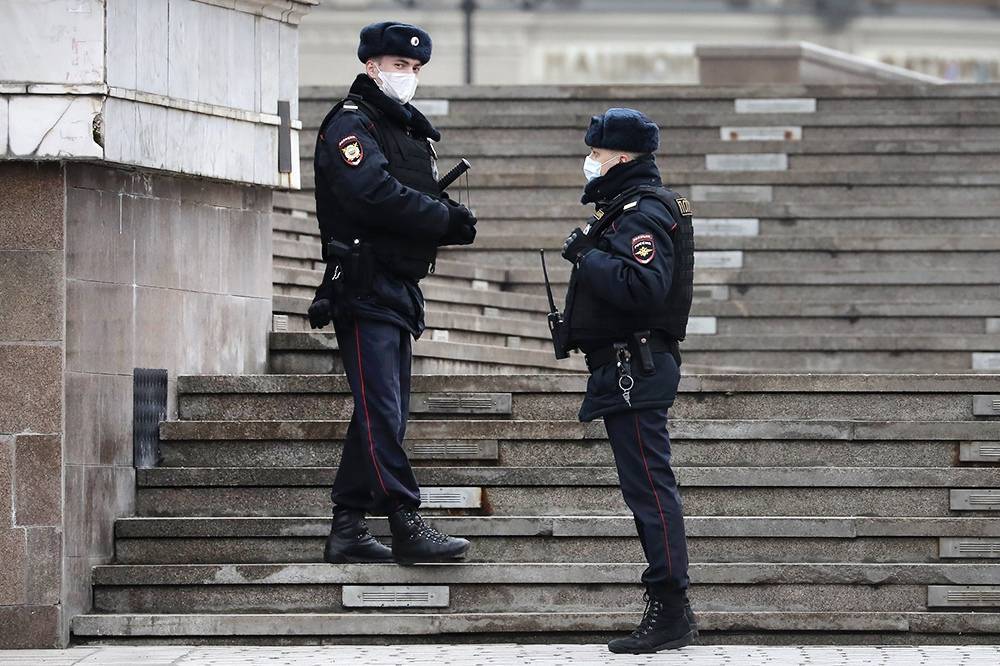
(576, 245)
(320, 313)
(461, 225)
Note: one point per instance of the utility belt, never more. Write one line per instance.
(640, 347)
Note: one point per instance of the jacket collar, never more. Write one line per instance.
(405, 115)
(621, 177)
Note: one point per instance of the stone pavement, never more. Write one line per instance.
(501, 655)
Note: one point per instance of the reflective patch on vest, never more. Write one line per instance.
(351, 150)
(643, 248)
(684, 206)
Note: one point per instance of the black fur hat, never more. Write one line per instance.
(623, 129)
(392, 38)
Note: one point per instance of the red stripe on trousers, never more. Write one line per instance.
(364, 403)
(659, 508)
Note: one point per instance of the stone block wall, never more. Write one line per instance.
(31, 416)
(103, 270)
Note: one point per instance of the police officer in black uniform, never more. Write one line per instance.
(626, 309)
(382, 217)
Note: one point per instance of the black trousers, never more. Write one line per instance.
(375, 475)
(641, 447)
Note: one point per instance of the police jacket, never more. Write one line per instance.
(376, 181)
(639, 277)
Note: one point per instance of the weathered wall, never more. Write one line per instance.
(104, 270)
(161, 272)
(31, 403)
(189, 86)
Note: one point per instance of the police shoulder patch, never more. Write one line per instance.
(643, 248)
(351, 150)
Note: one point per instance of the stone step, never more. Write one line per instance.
(736, 202)
(315, 353)
(485, 587)
(757, 626)
(713, 477)
(717, 230)
(937, 492)
(804, 452)
(527, 142)
(701, 429)
(569, 539)
(322, 397)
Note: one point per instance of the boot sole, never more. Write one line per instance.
(356, 560)
(675, 644)
(455, 557)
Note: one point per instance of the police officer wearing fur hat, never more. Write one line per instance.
(382, 217)
(627, 309)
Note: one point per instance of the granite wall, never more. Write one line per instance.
(104, 270)
(32, 334)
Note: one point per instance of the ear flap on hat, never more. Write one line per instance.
(595, 133)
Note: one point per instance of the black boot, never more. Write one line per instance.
(350, 541)
(414, 541)
(661, 628)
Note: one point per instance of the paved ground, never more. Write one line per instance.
(501, 655)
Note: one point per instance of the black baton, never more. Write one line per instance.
(454, 174)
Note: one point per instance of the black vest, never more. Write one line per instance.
(412, 162)
(591, 319)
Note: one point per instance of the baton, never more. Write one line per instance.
(454, 174)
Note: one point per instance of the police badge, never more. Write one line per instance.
(643, 248)
(351, 150)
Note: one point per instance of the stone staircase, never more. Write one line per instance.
(839, 229)
(860, 235)
(823, 508)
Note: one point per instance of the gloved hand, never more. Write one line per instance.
(321, 309)
(320, 313)
(576, 245)
(461, 225)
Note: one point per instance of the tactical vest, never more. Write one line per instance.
(411, 161)
(591, 319)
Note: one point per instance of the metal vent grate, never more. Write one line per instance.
(457, 449)
(451, 498)
(970, 547)
(979, 452)
(975, 500)
(396, 596)
(986, 405)
(461, 403)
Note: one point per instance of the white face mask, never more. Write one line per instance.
(400, 86)
(592, 168)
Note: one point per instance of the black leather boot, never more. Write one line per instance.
(415, 542)
(662, 628)
(350, 541)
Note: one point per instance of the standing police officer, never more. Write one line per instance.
(626, 309)
(382, 217)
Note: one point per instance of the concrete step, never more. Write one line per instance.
(521, 587)
(931, 492)
(267, 397)
(315, 353)
(714, 230)
(568, 142)
(759, 627)
(803, 452)
(736, 202)
(568, 539)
